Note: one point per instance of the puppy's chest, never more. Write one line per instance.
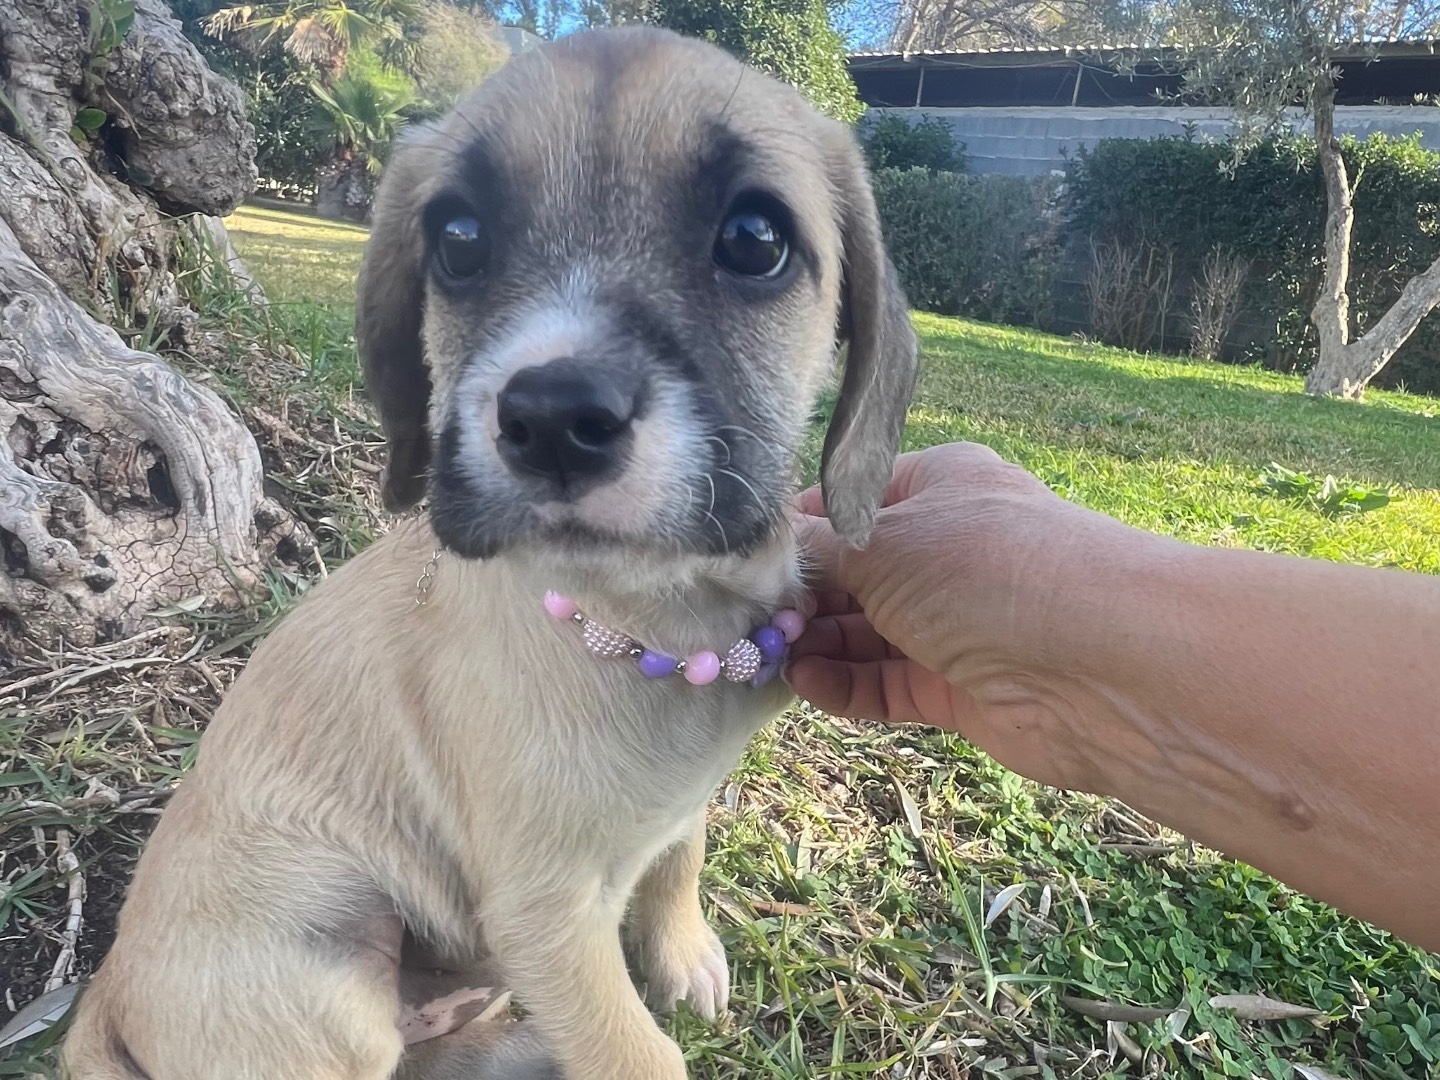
(643, 755)
(679, 738)
(647, 796)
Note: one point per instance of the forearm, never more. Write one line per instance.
(1284, 711)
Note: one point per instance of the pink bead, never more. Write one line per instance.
(702, 668)
(789, 622)
(560, 607)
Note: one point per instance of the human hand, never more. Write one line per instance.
(969, 610)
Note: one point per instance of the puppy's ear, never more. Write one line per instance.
(390, 298)
(880, 362)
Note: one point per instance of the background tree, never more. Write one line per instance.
(322, 33)
(790, 39)
(329, 86)
(123, 485)
(949, 25)
(361, 112)
(459, 49)
(1274, 62)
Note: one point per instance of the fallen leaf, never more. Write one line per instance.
(187, 606)
(452, 1012)
(1113, 1011)
(1117, 1039)
(1313, 1072)
(946, 953)
(780, 907)
(1003, 899)
(911, 811)
(40, 1014)
(1260, 1007)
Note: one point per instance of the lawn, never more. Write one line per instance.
(895, 904)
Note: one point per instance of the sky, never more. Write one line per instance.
(859, 21)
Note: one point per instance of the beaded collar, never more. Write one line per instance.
(755, 659)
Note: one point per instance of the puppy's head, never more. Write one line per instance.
(599, 300)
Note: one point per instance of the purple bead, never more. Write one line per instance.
(765, 674)
(654, 665)
(771, 642)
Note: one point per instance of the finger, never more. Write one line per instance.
(811, 502)
(896, 691)
(830, 602)
(947, 463)
(846, 637)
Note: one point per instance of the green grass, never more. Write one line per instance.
(297, 256)
(853, 866)
(1182, 447)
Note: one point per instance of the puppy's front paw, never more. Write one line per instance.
(685, 962)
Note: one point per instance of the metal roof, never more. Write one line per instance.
(1030, 54)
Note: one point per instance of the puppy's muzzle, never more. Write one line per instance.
(567, 423)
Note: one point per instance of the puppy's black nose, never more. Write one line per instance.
(564, 420)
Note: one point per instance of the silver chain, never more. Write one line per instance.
(426, 581)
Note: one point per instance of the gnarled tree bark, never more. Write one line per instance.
(1344, 368)
(123, 485)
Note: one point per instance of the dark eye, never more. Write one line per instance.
(752, 243)
(462, 252)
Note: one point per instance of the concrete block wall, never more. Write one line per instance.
(1031, 141)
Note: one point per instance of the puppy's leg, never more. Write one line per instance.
(680, 957)
(254, 1007)
(560, 946)
(483, 1050)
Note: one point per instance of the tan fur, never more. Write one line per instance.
(462, 771)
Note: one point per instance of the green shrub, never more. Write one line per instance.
(891, 142)
(790, 39)
(968, 245)
(458, 51)
(1180, 195)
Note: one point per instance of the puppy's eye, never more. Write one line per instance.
(461, 250)
(752, 243)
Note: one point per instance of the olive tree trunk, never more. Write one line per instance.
(123, 485)
(1345, 367)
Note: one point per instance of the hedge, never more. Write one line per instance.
(969, 245)
(1182, 197)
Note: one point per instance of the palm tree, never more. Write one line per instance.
(361, 117)
(322, 33)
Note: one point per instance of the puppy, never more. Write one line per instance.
(595, 311)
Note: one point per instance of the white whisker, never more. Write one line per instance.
(759, 504)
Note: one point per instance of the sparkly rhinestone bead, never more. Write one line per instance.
(742, 661)
(602, 641)
(771, 643)
(654, 665)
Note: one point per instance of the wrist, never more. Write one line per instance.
(1125, 668)
(1060, 678)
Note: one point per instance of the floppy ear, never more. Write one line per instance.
(388, 314)
(880, 363)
